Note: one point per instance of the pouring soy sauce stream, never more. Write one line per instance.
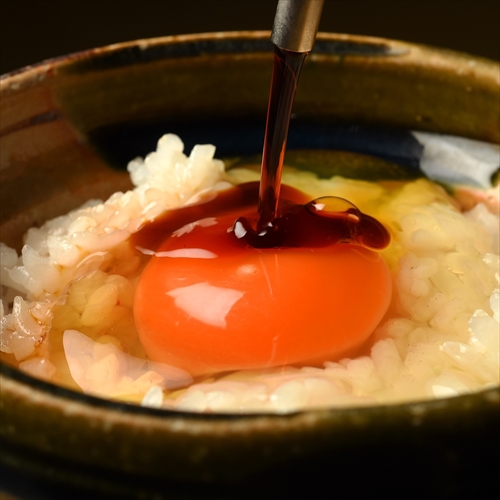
(284, 222)
(294, 32)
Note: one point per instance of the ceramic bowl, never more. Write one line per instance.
(69, 126)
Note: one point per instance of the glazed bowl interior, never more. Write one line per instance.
(69, 127)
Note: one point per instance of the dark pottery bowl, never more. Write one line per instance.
(68, 128)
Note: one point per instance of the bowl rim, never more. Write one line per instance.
(260, 37)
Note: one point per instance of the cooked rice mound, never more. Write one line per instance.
(66, 310)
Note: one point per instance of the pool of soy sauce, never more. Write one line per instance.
(300, 222)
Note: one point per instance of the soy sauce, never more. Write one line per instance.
(270, 215)
(319, 223)
(286, 71)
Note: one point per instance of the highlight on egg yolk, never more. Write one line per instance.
(208, 303)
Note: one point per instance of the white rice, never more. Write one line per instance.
(71, 291)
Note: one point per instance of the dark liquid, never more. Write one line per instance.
(318, 223)
(263, 218)
(286, 70)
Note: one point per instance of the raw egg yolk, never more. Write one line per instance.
(209, 303)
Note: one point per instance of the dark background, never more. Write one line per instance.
(33, 30)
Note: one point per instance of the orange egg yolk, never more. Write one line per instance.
(208, 303)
